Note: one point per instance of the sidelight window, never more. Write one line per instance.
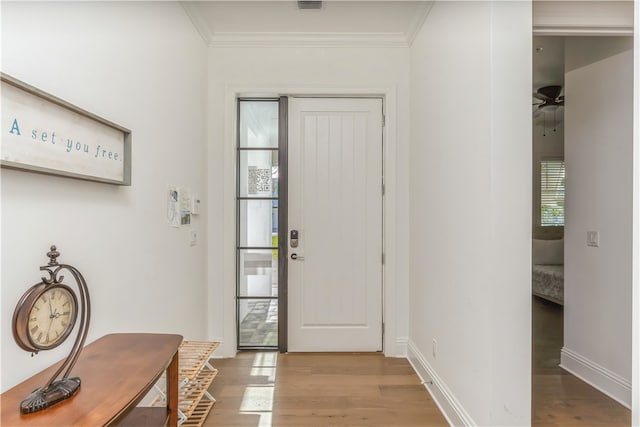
(257, 230)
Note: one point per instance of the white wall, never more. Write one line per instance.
(141, 65)
(598, 158)
(306, 70)
(470, 217)
(548, 139)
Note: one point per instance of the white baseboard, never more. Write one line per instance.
(448, 404)
(611, 384)
(222, 352)
(401, 347)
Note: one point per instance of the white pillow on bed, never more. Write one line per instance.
(548, 251)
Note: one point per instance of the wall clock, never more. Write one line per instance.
(44, 318)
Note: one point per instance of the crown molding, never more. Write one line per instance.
(198, 21)
(418, 21)
(373, 40)
(306, 39)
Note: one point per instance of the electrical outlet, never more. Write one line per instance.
(434, 349)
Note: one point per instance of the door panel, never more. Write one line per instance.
(335, 203)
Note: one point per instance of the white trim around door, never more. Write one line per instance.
(393, 234)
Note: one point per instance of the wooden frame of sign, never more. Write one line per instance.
(42, 133)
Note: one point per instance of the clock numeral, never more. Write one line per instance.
(66, 313)
(40, 336)
(66, 303)
(33, 319)
(48, 339)
(34, 330)
(64, 324)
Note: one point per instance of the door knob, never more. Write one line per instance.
(295, 257)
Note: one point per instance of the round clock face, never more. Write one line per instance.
(44, 316)
(52, 317)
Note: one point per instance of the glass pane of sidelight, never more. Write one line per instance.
(258, 173)
(257, 204)
(258, 124)
(258, 323)
(258, 273)
(258, 224)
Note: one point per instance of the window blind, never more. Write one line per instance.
(552, 176)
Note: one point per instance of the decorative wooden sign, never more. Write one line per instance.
(42, 133)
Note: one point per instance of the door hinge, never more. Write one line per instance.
(383, 189)
(384, 120)
(383, 258)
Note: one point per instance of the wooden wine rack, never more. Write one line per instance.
(195, 375)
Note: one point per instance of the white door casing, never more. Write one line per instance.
(335, 202)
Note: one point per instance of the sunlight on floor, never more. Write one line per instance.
(258, 395)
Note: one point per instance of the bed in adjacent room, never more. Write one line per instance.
(547, 273)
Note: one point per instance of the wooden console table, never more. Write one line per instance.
(116, 372)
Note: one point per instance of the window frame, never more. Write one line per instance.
(239, 247)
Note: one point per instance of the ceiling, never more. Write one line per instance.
(338, 22)
(371, 23)
(548, 65)
(548, 61)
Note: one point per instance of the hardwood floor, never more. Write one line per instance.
(559, 398)
(342, 389)
(328, 389)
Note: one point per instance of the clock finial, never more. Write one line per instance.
(53, 254)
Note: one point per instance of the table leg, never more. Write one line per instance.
(172, 391)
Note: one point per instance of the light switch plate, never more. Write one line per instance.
(593, 238)
(193, 238)
(195, 204)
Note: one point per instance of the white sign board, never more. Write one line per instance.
(42, 133)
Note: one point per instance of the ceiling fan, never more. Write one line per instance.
(548, 98)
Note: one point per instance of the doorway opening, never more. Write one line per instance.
(332, 212)
(582, 122)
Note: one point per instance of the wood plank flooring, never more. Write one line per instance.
(328, 389)
(559, 398)
(340, 389)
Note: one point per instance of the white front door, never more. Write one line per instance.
(335, 205)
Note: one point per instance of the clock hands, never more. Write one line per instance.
(53, 314)
(51, 317)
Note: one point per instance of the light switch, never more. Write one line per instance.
(195, 204)
(593, 238)
(193, 238)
